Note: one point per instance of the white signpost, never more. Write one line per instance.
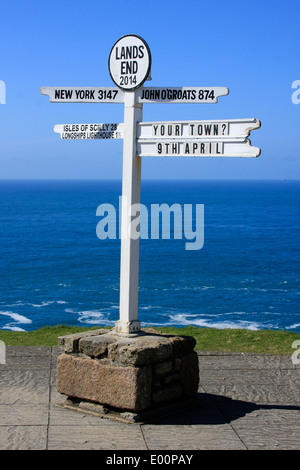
(129, 67)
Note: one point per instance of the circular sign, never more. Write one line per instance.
(129, 62)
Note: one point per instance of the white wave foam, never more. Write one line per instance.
(18, 319)
(43, 304)
(18, 304)
(291, 327)
(13, 328)
(49, 302)
(150, 307)
(190, 288)
(93, 317)
(91, 313)
(70, 310)
(182, 319)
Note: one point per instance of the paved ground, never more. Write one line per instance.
(245, 402)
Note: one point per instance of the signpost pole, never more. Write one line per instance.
(131, 192)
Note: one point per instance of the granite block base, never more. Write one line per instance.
(127, 374)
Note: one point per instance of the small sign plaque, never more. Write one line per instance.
(196, 148)
(90, 131)
(129, 62)
(181, 94)
(225, 129)
(83, 94)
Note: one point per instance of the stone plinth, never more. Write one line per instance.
(127, 373)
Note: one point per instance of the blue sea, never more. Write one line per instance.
(55, 270)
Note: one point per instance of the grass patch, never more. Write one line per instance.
(46, 336)
(238, 340)
(208, 339)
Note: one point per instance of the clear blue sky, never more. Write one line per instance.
(251, 47)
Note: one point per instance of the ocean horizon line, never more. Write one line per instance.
(157, 179)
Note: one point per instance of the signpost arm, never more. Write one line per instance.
(131, 191)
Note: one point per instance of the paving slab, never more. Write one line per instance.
(23, 437)
(269, 436)
(24, 351)
(192, 437)
(29, 386)
(24, 415)
(244, 402)
(246, 361)
(234, 377)
(258, 394)
(100, 437)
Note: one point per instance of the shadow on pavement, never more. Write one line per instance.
(217, 409)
